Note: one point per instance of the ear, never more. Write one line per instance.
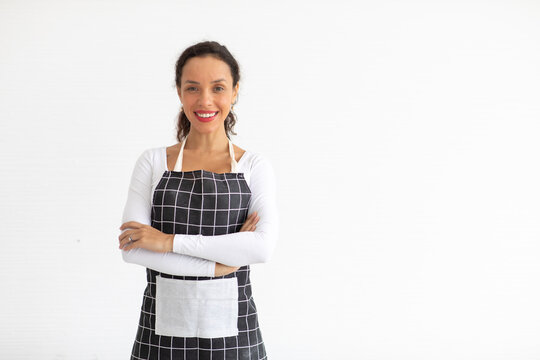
(235, 92)
(179, 92)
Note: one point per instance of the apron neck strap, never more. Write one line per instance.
(178, 165)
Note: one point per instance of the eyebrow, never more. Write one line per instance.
(197, 83)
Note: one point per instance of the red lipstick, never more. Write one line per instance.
(205, 118)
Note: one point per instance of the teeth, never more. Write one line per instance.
(206, 115)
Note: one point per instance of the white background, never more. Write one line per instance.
(405, 140)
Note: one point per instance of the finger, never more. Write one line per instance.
(126, 234)
(247, 226)
(131, 245)
(123, 243)
(252, 223)
(131, 224)
(126, 240)
(250, 216)
(247, 223)
(253, 218)
(126, 245)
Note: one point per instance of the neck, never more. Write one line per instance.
(207, 143)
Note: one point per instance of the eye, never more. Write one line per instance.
(219, 89)
(191, 88)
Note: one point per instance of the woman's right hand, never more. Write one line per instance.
(222, 270)
(249, 225)
(251, 221)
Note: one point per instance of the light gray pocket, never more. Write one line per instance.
(191, 308)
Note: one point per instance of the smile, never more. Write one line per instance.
(206, 116)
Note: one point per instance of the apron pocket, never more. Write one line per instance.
(191, 308)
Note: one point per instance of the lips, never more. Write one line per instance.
(206, 116)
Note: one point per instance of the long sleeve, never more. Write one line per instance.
(138, 208)
(246, 247)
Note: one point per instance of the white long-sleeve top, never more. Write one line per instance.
(196, 255)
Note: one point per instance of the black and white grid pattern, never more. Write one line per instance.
(207, 203)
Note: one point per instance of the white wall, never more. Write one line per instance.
(404, 135)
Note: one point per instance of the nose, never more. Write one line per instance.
(205, 98)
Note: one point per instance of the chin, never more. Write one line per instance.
(206, 128)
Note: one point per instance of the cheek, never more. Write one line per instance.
(225, 106)
(225, 102)
(187, 100)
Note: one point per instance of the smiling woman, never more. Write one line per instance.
(207, 92)
(212, 66)
(198, 214)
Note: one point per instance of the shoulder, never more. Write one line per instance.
(260, 160)
(152, 153)
(259, 174)
(151, 158)
(256, 165)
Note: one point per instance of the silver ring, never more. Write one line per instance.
(130, 239)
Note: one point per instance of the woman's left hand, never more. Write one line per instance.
(145, 237)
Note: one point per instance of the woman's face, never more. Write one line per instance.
(207, 93)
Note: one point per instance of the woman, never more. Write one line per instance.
(197, 214)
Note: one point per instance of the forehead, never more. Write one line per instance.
(206, 69)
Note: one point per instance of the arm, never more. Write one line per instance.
(248, 247)
(138, 208)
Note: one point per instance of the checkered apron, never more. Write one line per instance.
(207, 203)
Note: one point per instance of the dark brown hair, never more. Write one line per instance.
(206, 48)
